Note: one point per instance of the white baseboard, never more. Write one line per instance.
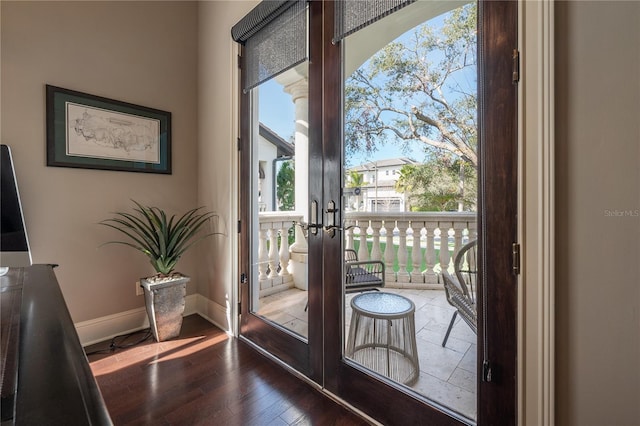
(104, 328)
(218, 315)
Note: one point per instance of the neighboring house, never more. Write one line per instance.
(272, 150)
(378, 192)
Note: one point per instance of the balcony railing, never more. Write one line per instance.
(408, 243)
(273, 251)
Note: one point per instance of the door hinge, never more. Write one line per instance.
(515, 77)
(486, 371)
(515, 253)
(243, 280)
(239, 226)
(240, 61)
(239, 144)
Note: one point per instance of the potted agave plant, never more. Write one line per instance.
(163, 241)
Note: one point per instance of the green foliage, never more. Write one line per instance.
(439, 185)
(285, 192)
(163, 241)
(355, 179)
(423, 88)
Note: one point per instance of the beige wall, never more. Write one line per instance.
(217, 150)
(597, 173)
(139, 52)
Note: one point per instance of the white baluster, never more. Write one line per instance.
(376, 254)
(458, 228)
(389, 253)
(262, 255)
(445, 256)
(349, 226)
(284, 250)
(403, 274)
(363, 250)
(416, 253)
(430, 254)
(273, 253)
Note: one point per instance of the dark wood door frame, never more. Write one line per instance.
(316, 164)
(498, 204)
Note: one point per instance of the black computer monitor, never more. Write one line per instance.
(14, 245)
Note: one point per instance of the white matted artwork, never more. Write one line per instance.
(88, 131)
(100, 133)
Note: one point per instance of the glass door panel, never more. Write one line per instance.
(274, 308)
(409, 200)
(279, 255)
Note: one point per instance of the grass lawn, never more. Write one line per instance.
(383, 245)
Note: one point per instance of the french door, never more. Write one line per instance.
(280, 197)
(294, 304)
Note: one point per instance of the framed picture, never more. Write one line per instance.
(92, 132)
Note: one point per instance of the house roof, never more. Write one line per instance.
(389, 162)
(284, 148)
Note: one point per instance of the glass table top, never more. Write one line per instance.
(379, 302)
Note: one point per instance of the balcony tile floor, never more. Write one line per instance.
(447, 375)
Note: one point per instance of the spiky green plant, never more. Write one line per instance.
(163, 241)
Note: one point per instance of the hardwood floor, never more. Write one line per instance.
(205, 378)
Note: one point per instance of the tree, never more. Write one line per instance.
(422, 88)
(436, 185)
(285, 191)
(355, 180)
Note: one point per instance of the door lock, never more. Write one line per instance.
(313, 225)
(331, 226)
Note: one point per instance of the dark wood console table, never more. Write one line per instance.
(46, 377)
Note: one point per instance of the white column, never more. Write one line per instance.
(295, 83)
(299, 91)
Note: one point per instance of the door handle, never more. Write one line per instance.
(331, 226)
(313, 218)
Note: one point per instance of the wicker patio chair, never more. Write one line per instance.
(460, 290)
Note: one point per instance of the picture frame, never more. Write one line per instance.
(92, 132)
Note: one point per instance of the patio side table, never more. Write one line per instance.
(382, 335)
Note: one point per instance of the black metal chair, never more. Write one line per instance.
(460, 290)
(362, 275)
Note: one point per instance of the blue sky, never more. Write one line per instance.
(278, 112)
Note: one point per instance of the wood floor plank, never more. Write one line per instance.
(205, 377)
